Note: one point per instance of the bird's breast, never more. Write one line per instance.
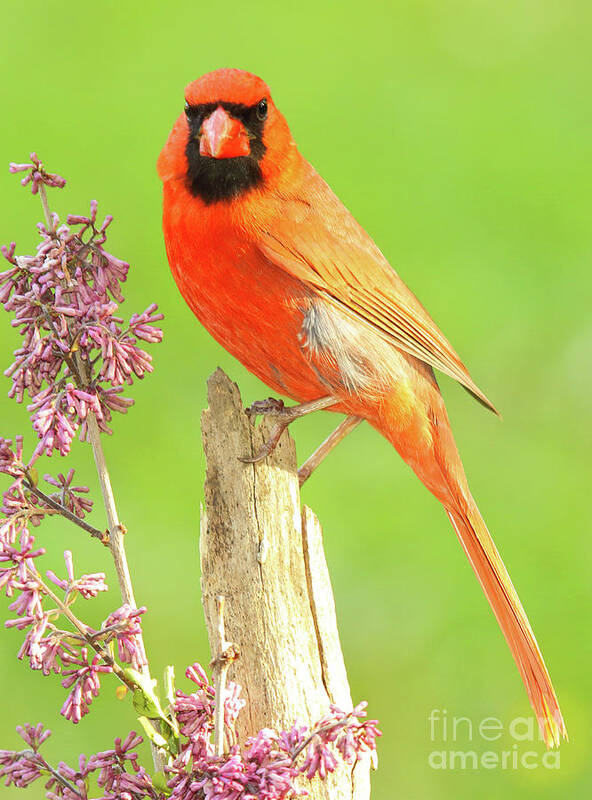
(252, 309)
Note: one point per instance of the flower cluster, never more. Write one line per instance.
(79, 655)
(47, 647)
(75, 357)
(37, 174)
(270, 766)
(124, 627)
(24, 767)
(76, 353)
(117, 772)
(70, 496)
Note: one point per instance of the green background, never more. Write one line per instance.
(459, 135)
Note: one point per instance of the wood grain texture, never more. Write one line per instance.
(265, 556)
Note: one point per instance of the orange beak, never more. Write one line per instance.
(223, 136)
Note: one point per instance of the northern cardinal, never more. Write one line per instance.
(282, 275)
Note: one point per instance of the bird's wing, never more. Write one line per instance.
(318, 241)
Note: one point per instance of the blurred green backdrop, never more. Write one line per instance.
(459, 134)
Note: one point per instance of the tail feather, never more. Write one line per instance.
(505, 603)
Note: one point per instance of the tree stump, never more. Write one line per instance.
(264, 555)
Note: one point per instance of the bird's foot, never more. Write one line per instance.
(270, 405)
(285, 415)
(269, 445)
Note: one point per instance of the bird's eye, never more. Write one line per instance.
(187, 110)
(262, 109)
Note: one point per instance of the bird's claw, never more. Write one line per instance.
(269, 445)
(284, 416)
(270, 405)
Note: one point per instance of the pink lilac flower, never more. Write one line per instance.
(356, 737)
(143, 325)
(319, 759)
(11, 460)
(77, 778)
(9, 580)
(8, 253)
(125, 625)
(87, 585)
(37, 174)
(22, 557)
(351, 737)
(120, 775)
(33, 735)
(196, 673)
(68, 495)
(55, 428)
(19, 769)
(84, 678)
(22, 768)
(47, 653)
(55, 790)
(20, 509)
(195, 712)
(292, 740)
(30, 646)
(121, 755)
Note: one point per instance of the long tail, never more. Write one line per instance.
(412, 416)
(505, 603)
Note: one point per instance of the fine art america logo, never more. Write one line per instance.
(462, 743)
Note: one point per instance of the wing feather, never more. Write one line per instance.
(330, 253)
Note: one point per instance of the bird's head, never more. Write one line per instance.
(229, 139)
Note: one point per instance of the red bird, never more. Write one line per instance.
(282, 275)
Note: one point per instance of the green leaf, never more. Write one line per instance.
(155, 737)
(143, 681)
(145, 699)
(147, 705)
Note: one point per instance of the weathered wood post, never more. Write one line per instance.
(264, 555)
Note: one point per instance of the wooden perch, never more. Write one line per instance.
(265, 556)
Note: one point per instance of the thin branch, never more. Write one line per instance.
(117, 547)
(34, 755)
(64, 781)
(226, 654)
(45, 204)
(115, 528)
(103, 536)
